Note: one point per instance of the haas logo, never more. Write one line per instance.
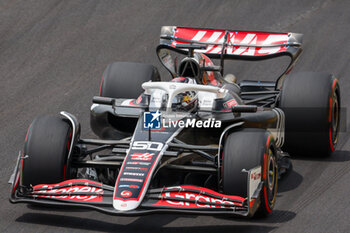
(142, 156)
(239, 41)
(255, 176)
(126, 193)
(230, 103)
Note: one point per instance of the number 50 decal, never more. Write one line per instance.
(145, 145)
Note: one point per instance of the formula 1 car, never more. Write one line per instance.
(198, 144)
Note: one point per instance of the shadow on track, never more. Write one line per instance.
(291, 180)
(63, 209)
(277, 216)
(337, 156)
(142, 224)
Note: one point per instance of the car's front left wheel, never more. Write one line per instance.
(244, 150)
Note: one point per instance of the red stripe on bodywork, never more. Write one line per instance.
(132, 104)
(251, 203)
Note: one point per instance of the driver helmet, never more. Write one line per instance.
(185, 101)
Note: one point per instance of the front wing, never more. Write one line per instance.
(94, 195)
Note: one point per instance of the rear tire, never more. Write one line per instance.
(311, 103)
(124, 79)
(247, 149)
(47, 145)
(120, 80)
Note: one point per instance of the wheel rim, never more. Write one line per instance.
(271, 176)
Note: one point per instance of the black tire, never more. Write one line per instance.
(311, 103)
(124, 79)
(47, 145)
(120, 80)
(247, 149)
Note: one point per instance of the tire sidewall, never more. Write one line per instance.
(45, 165)
(264, 144)
(306, 99)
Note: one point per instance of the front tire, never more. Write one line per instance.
(247, 149)
(47, 145)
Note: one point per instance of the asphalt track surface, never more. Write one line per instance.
(52, 55)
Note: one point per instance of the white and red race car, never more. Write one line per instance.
(201, 143)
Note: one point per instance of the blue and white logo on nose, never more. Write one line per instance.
(151, 120)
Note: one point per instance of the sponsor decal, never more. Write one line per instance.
(133, 174)
(126, 193)
(230, 103)
(70, 193)
(132, 186)
(255, 175)
(208, 103)
(142, 156)
(235, 38)
(136, 168)
(193, 196)
(139, 163)
(254, 180)
(124, 204)
(131, 180)
(146, 145)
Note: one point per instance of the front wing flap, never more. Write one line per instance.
(91, 194)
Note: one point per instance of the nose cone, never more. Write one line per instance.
(125, 205)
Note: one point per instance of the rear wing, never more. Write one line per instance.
(234, 44)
